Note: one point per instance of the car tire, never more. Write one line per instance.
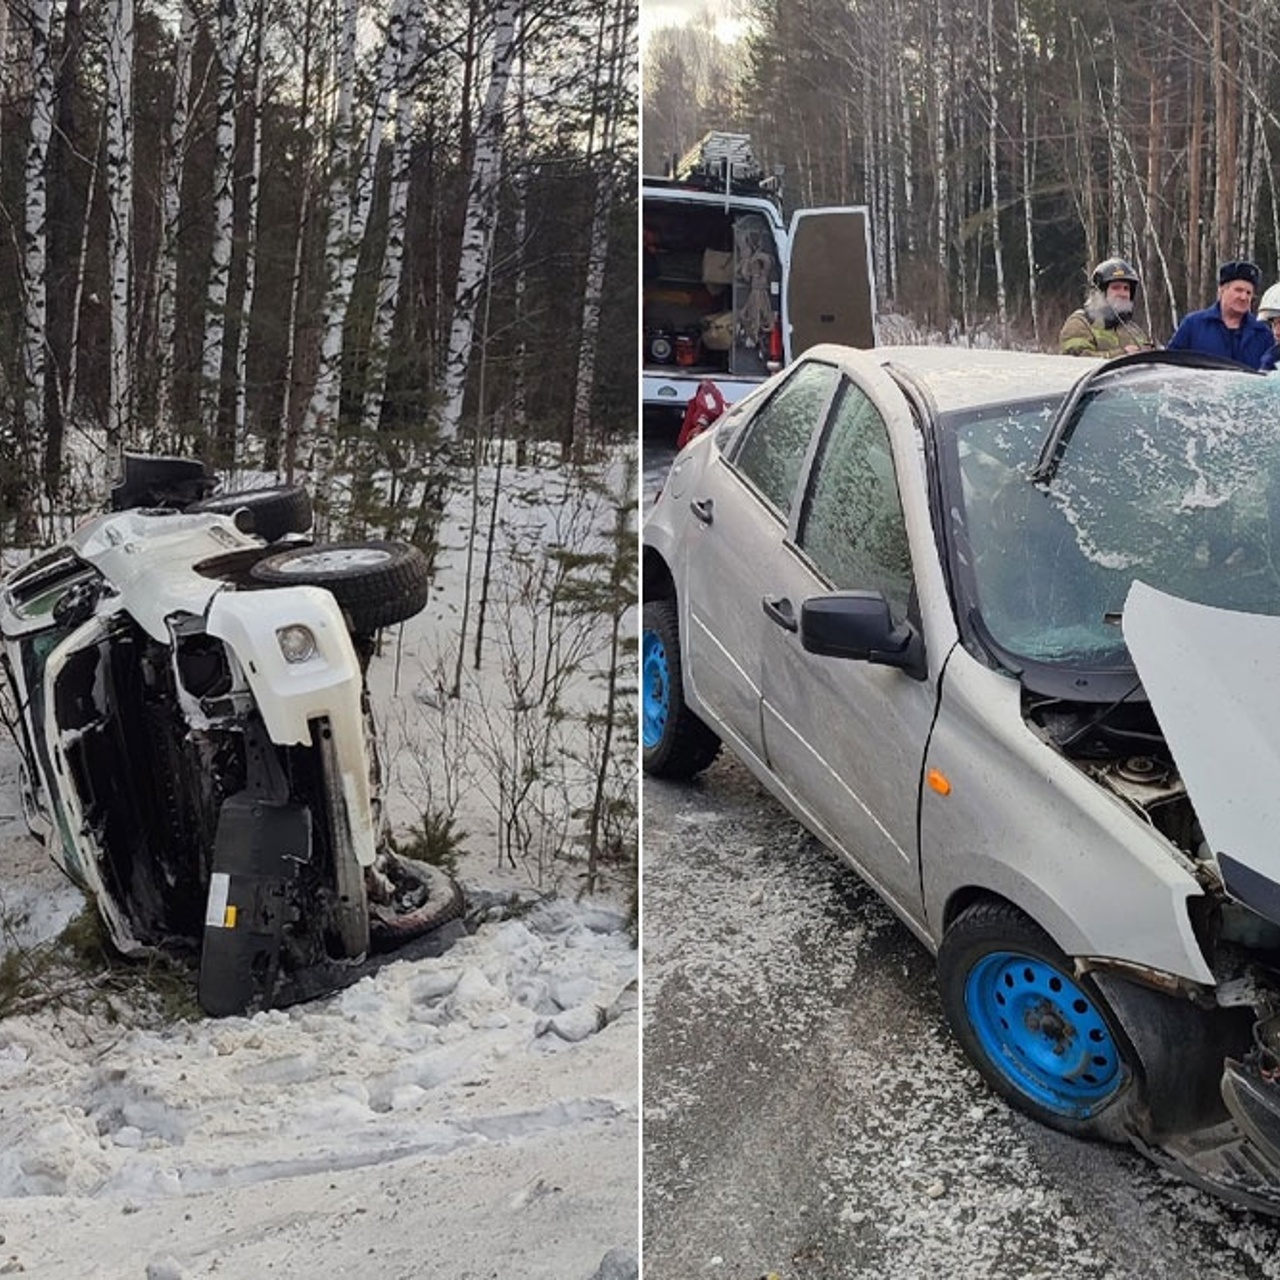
(423, 898)
(1043, 1038)
(676, 743)
(376, 584)
(272, 511)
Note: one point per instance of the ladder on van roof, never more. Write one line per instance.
(725, 162)
(726, 155)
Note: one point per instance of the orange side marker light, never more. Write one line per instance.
(939, 782)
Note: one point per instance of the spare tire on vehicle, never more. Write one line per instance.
(271, 511)
(376, 584)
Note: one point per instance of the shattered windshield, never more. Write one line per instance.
(1171, 476)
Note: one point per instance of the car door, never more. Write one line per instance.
(845, 737)
(741, 504)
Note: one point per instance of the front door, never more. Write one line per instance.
(844, 736)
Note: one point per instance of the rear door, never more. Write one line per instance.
(741, 503)
(830, 284)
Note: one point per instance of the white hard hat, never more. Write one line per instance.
(1269, 305)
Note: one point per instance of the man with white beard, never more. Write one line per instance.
(1104, 326)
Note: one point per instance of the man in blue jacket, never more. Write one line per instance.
(1228, 328)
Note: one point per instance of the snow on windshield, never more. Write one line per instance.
(1171, 474)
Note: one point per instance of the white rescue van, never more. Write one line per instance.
(730, 291)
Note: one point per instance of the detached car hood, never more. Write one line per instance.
(1210, 675)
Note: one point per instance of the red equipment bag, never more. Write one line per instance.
(705, 406)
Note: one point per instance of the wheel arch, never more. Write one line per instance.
(656, 580)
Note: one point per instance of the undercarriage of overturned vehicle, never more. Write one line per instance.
(179, 784)
(1213, 1120)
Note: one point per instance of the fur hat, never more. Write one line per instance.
(1230, 271)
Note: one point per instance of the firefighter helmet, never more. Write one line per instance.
(1114, 269)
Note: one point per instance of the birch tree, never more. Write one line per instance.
(612, 52)
(172, 169)
(322, 411)
(35, 256)
(392, 271)
(119, 189)
(351, 197)
(225, 52)
(251, 185)
(477, 229)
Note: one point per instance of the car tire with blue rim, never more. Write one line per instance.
(676, 744)
(1042, 1037)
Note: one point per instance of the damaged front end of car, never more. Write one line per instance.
(200, 758)
(1185, 757)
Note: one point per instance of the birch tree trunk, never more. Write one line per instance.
(119, 183)
(478, 222)
(215, 328)
(35, 256)
(610, 59)
(67, 150)
(252, 183)
(993, 127)
(173, 165)
(1027, 152)
(939, 85)
(316, 436)
(397, 221)
(291, 419)
(520, 193)
(350, 197)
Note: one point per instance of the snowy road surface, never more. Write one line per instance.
(806, 1114)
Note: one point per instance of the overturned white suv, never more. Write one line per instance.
(198, 752)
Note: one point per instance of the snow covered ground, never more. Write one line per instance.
(474, 1115)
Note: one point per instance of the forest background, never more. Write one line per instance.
(387, 250)
(312, 237)
(1003, 147)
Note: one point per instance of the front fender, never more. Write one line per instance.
(1021, 821)
(290, 696)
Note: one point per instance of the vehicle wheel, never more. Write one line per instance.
(273, 510)
(375, 584)
(676, 743)
(1045, 1040)
(420, 898)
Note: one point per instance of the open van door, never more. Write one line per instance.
(830, 293)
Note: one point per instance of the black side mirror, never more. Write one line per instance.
(858, 625)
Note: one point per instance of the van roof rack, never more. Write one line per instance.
(722, 161)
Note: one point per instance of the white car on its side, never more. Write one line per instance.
(188, 673)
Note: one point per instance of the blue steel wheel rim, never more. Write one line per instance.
(1044, 1034)
(655, 679)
